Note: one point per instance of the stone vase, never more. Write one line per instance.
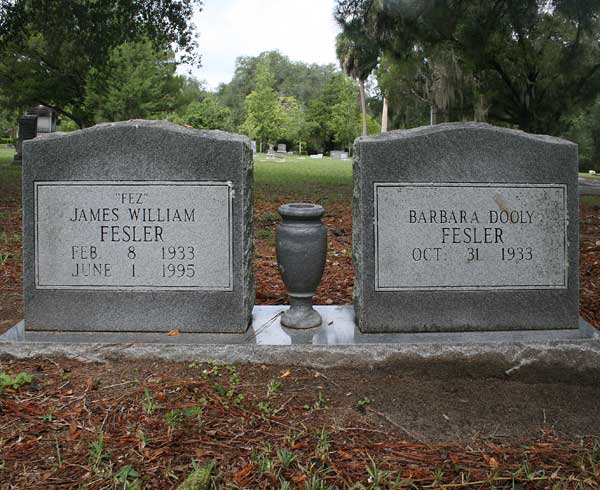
(301, 252)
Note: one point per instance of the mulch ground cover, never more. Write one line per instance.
(589, 263)
(11, 263)
(139, 424)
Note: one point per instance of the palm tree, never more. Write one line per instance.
(358, 56)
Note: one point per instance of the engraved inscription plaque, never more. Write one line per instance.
(134, 236)
(449, 236)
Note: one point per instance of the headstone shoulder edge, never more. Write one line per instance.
(143, 124)
(425, 131)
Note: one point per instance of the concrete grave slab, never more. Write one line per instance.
(542, 354)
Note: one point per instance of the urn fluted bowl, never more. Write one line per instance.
(301, 251)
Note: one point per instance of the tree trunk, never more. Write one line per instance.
(363, 106)
(384, 115)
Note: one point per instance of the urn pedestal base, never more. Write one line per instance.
(301, 314)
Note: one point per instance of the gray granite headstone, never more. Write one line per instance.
(46, 118)
(465, 227)
(138, 226)
(27, 131)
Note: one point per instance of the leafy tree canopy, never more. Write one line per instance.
(139, 83)
(50, 49)
(8, 122)
(335, 116)
(300, 80)
(209, 113)
(532, 60)
(263, 111)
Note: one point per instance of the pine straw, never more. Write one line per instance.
(589, 264)
(79, 424)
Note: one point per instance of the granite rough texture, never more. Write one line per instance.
(456, 153)
(27, 131)
(142, 151)
(561, 361)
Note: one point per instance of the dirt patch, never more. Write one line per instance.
(272, 427)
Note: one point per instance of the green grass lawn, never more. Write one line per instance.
(299, 176)
(10, 174)
(310, 179)
(589, 200)
(6, 155)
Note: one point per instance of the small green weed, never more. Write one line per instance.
(173, 418)
(142, 437)
(438, 476)
(263, 460)
(320, 402)
(377, 477)
(192, 411)
(14, 382)
(323, 445)
(234, 379)
(286, 457)
(264, 234)
(49, 417)
(362, 404)
(199, 478)
(220, 389)
(315, 483)
(97, 451)
(129, 477)
(196, 412)
(149, 405)
(274, 387)
(265, 408)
